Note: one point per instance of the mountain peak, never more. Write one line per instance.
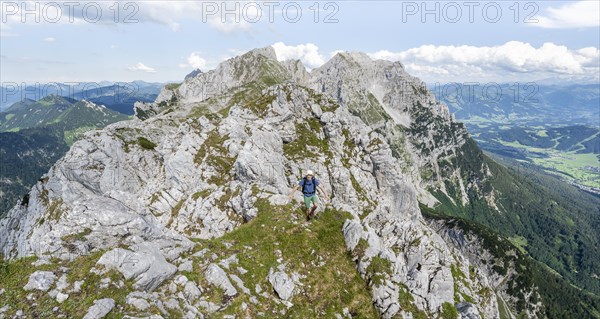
(267, 51)
(357, 56)
(193, 74)
(259, 66)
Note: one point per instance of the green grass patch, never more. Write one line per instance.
(457, 276)
(449, 311)
(145, 143)
(77, 237)
(316, 251)
(260, 105)
(214, 153)
(378, 270)
(502, 309)
(14, 275)
(520, 242)
(203, 193)
(173, 86)
(54, 209)
(307, 143)
(406, 301)
(71, 136)
(360, 248)
(175, 211)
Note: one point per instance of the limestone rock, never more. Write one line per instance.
(282, 284)
(467, 311)
(100, 308)
(40, 280)
(146, 265)
(217, 276)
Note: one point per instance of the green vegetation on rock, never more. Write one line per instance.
(317, 253)
(307, 142)
(145, 143)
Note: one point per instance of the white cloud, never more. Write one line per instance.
(513, 59)
(308, 53)
(141, 67)
(49, 39)
(222, 19)
(167, 13)
(170, 12)
(581, 14)
(195, 61)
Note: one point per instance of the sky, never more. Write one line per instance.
(162, 41)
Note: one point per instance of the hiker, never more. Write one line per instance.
(309, 185)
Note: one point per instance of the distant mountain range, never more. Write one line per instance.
(72, 114)
(118, 96)
(554, 127)
(39, 123)
(530, 104)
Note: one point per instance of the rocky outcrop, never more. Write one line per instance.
(146, 265)
(218, 277)
(40, 280)
(478, 270)
(282, 284)
(100, 308)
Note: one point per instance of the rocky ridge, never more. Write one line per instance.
(147, 201)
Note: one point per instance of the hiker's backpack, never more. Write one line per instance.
(304, 180)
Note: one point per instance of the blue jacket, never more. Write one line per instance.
(311, 186)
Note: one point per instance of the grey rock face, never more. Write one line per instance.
(138, 303)
(472, 254)
(282, 284)
(217, 276)
(186, 266)
(191, 290)
(238, 281)
(100, 308)
(467, 311)
(40, 280)
(146, 265)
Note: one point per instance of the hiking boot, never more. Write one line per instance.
(312, 212)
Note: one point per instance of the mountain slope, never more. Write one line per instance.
(554, 127)
(56, 109)
(24, 157)
(444, 161)
(27, 114)
(118, 96)
(33, 135)
(195, 190)
(121, 97)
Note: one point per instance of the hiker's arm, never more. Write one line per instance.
(320, 188)
(294, 190)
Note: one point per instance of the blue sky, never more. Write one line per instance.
(169, 39)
